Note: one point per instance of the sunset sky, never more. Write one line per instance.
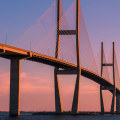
(102, 21)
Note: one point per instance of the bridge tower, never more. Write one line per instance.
(113, 89)
(57, 71)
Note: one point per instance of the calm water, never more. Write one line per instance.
(61, 117)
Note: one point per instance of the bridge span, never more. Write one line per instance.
(17, 54)
(10, 52)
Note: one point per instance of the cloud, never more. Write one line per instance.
(4, 82)
(33, 84)
(89, 89)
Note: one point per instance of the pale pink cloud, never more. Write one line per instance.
(4, 82)
(89, 89)
(29, 88)
(34, 84)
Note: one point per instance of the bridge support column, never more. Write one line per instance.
(113, 101)
(15, 87)
(75, 104)
(117, 102)
(58, 104)
(101, 95)
(101, 100)
(114, 88)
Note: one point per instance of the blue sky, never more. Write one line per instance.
(102, 19)
(18, 15)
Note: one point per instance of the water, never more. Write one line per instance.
(61, 117)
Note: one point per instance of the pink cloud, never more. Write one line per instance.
(89, 89)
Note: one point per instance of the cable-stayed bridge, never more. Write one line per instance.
(62, 67)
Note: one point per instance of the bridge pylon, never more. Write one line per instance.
(117, 102)
(57, 71)
(113, 89)
(15, 66)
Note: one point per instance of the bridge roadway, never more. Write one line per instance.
(8, 52)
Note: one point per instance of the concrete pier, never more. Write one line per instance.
(113, 101)
(75, 104)
(101, 100)
(15, 87)
(118, 102)
(58, 104)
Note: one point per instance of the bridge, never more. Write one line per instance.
(15, 55)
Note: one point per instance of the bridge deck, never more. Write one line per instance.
(8, 52)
